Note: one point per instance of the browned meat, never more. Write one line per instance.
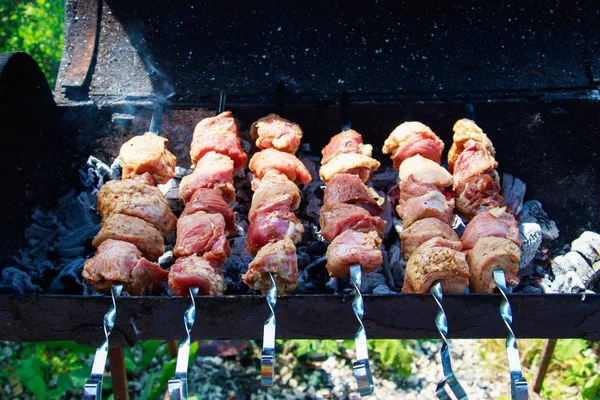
(495, 222)
(133, 230)
(278, 258)
(352, 247)
(147, 153)
(275, 193)
(423, 230)
(273, 227)
(437, 260)
(218, 134)
(194, 271)
(412, 138)
(349, 189)
(489, 254)
(349, 163)
(347, 142)
(211, 202)
(137, 200)
(213, 171)
(274, 132)
(201, 233)
(430, 205)
(476, 192)
(121, 262)
(339, 217)
(474, 160)
(425, 172)
(285, 163)
(465, 130)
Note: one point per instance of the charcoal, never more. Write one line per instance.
(19, 280)
(116, 170)
(385, 180)
(383, 290)
(531, 290)
(458, 225)
(69, 276)
(513, 191)
(387, 216)
(311, 165)
(166, 260)
(34, 230)
(568, 283)
(79, 236)
(572, 262)
(370, 280)
(588, 245)
(332, 285)
(71, 252)
(531, 238)
(533, 212)
(387, 270)
(98, 172)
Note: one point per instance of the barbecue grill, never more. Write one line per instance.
(529, 71)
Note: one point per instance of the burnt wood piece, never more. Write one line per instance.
(40, 318)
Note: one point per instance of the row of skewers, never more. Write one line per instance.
(136, 218)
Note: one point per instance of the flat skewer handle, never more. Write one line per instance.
(267, 359)
(518, 383)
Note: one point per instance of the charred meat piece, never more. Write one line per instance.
(352, 247)
(201, 233)
(437, 260)
(147, 153)
(474, 160)
(423, 230)
(425, 172)
(285, 163)
(133, 230)
(433, 204)
(194, 271)
(211, 202)
(121, 262)
(465, 130)
(489, 254)
(213, 171)
(349, 163)
(349, 189)
(137, 200)
(412, 138)
(339, 217)
(278, 258)
(273, 227)
(496, 222)
(218, 134)
(275, 193)
(274, 132)
(347, 142)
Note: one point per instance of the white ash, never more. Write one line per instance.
(569, 282)
(531, 238)
(588, 245)
(572, 262)
(533, 212)
(513, 191)
(458, 225)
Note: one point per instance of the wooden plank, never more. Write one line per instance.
(78, 318)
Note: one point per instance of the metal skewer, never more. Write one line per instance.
(449, 380)
(518, 384)
(361, 367)
(93, 387)
(267, 359)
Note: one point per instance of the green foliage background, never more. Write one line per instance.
(35, 27)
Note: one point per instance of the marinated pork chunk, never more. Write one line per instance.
(275, 193)
(137, 200)
(423, 230)
(213, 171)
(274, 132)
(430, 205)
(272, 227)
(218, 134)
(118, 262)
(356, 164)
(425, 172)
(465, 130)
(349, 189)
(278, 258)
(473, 161)
(437, 260)
(488, 255)
(339, 217)
(477, 192)
(347, 142)
(352, 247)
(496, 222)
(194, 271)
(202, 233)
(211, 202)
(412, 138)
(410, 188)
(147, 153)
(285, 163)
(133, 230)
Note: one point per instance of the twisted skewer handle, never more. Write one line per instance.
(93, 387)
(362, 368)
(449, 378)
(517, 382)
(268, 352)
(177, 387)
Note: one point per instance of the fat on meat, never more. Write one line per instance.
(488, 255)
(425, 172)
(412, 138)
(147, 153)
(338, 217)
(421, 231)
(274, 132)
(274, 193)
(349, 163)
(496, 222)
(346, 142)
(474, 160)
(213, 171)
(465, 130)
(433, 204)
(282, 162)
(351, 248)
(278, 258)
(195, 271)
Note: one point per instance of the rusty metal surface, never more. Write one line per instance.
(38, 318)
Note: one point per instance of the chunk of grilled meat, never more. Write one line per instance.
(278, 258)
(274, 132)
(147, 153)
